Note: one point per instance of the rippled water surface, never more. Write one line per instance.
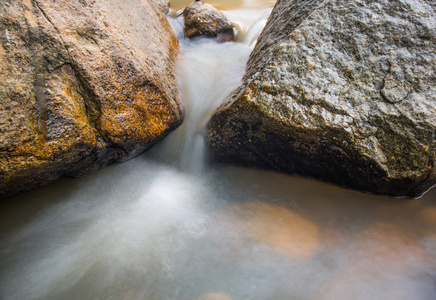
(166, 225)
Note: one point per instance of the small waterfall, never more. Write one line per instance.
(208, 72)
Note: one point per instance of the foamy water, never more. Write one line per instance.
(166, 225)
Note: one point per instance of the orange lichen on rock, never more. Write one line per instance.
(82, 86)
(135, 110)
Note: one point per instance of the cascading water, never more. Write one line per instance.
(208, 72)
(164, 226)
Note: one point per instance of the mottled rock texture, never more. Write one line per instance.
(341, 90)
(202, 19)
(163, 5)
(83, 83)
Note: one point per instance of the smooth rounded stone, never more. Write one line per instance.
(343, 91)
(82, 84)
(213, 296)
(202, 19)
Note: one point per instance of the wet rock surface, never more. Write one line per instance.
(163, 5)
(202, 19)
(82, 84)
(343, 91)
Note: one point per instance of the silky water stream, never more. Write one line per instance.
(167, 226)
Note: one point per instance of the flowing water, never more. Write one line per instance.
(166, 225)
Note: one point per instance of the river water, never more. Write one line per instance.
(166, 225)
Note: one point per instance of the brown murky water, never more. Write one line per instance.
(168, 226)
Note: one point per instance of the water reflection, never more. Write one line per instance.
(428, 215)
(275, 226)
(145, 230)
(383, 262)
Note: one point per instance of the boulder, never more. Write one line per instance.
(343, 91)
(82, 84)
(202, 19)
(163, 5)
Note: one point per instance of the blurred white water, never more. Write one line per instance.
(164, 226)
(208, 71)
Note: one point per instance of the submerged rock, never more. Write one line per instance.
(202, 19)
(343, 91)
(82, 84)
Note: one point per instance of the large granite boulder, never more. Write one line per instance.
(202, 19)
(340, 90)
(82, 84)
